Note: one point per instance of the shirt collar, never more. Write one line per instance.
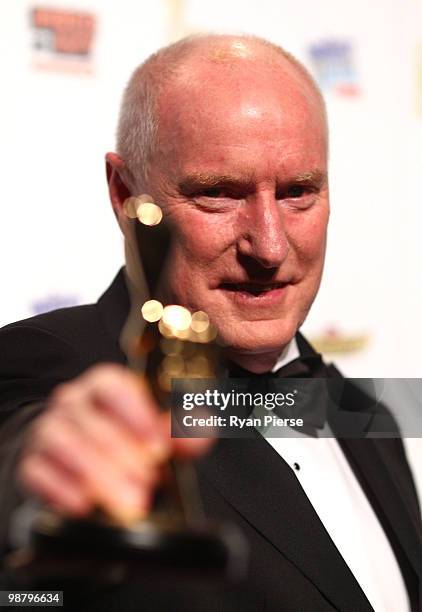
(288, 354)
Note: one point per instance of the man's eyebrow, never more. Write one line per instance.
(204, 180)
(316, 177)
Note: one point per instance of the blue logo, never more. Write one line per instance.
(52, 302)
(334, 66)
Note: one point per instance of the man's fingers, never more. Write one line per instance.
(97, 475)
(124, 396)
(134, 457)
(57, 488)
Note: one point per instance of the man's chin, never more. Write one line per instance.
(257, 337)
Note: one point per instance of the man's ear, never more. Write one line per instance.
(118, 190)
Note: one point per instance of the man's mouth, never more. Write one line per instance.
(253, 289)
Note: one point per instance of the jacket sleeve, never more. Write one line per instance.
(32, 362)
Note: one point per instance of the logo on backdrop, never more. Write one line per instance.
(333, 340)
(334, 66)
(62, 40)
(52, 302)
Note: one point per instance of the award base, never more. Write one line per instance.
(96, 549)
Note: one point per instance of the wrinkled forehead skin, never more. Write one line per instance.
(210, 102)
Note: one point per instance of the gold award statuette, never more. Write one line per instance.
(161, 342)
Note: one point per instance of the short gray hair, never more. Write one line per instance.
(138, 120)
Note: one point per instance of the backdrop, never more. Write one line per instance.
(64, 66)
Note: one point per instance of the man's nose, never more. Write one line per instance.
(262, 234)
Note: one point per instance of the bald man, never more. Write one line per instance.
(229, 135)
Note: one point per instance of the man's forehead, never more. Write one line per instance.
(210, 77)
(248, 89)
(240, 134)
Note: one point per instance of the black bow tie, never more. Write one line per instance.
(307, 366)
(313, 409)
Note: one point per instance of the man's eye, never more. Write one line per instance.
(212, 192)
(298, 197)
(295, 191)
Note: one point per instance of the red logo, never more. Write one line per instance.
(62, 35)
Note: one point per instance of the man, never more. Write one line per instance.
(229, 135)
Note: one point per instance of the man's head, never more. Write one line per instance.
(235, 151)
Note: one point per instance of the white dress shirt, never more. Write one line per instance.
(337, 497)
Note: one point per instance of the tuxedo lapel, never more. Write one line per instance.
(113, 308)
(374, 462)
(380, 466)
(259, 484)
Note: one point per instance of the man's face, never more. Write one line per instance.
(241, 173)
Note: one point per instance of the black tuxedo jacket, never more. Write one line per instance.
(294, 565)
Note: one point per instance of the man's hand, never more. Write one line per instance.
(101, 443)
